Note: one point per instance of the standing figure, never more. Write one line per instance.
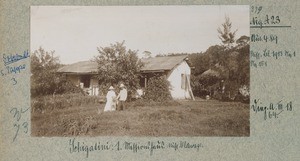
(110, 100)
(122, 97)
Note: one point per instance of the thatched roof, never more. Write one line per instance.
(165, 63)
(82, 67)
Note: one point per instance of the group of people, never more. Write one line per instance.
(115, 102)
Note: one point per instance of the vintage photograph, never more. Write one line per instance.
(142, 71)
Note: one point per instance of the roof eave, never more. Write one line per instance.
(153, 71)
(78, 73)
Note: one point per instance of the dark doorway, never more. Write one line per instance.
(85, 79)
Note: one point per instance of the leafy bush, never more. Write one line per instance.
(64, 86)
(158, 89)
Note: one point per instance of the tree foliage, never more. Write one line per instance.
(44, 80)
(230, 64)
(117, 65)
(43, 68)
(158, 89)
(226, 35)
(200, 61)
(243, 40)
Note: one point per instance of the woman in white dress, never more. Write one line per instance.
(110, 100)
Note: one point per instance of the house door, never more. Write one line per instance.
(86, 80)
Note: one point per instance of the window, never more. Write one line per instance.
(143, 82)
(183, 81)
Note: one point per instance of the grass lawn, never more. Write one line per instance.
(188, 118)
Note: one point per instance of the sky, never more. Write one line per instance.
(75, 32)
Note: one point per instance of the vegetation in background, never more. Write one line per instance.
(44, 79)
(227, 63)
(43, 68)
(219, 63)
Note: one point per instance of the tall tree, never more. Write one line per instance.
(226, 35)
(43, 67)
(117, 65)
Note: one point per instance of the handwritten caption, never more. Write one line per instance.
(135, 147)
(258, 58)
(271, 110)
(19, 124)
(10, 68)
(261, 20)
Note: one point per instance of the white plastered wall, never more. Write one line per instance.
(175, 81)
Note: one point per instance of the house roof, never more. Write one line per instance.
(81, 67)
(156, 64)
(162, 63)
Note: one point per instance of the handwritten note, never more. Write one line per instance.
(21, 126)
(268, 45)
(10, 66)
(12, 58)
(10, 70)
(261, 20)
(271, 110)
(134, 147)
